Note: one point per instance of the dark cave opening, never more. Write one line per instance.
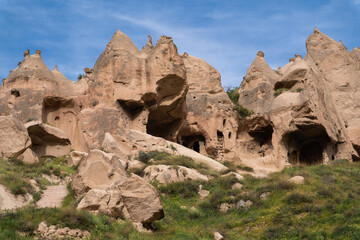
(194, 142)
(306, 145)
(131, 108)
(262, 135)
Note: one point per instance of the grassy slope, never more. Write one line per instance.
(325, 207)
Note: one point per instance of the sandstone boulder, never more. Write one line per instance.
(99, 170)
(100, 201)
(29, 157)
(141, 200)
(168, 174)
(48, 140)
(75, 158)
(135, 164)
(298, 180)
(14, 139)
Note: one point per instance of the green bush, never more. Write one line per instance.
(241, 111)
(145, 157)
(80, 76)
(233, 94)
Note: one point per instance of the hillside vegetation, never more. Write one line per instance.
(324, 207)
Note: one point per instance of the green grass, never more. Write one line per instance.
(234, 167)
(326, 206)
(15, 175)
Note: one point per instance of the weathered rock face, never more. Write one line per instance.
(48, 140)
(14, 139)
(29, 157)
(75, 158)
(295, 120)
(168, 174)
(147, 87)
(141, 200)
(33, 92)
(341, 72)
(100, 201)
(99, 170)
(210, 125)
(132, 141)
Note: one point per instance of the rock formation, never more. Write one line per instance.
(297, 113)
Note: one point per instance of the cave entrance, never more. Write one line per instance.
(262, 135)
(311, 154)
(306, 146)
(195, 142)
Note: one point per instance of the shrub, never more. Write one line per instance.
(299, 90)
(241, 111)
(145, 157)
(80, 76)
(233, 94)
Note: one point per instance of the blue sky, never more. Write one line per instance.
(227, 34)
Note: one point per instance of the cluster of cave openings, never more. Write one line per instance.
(195, 142)
(307, 146)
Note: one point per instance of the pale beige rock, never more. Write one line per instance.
(135, 164)
(139, 141)
(29, 157)
(100, 201)
(110, 145)
(298, 180)
(244, 204)
(8, 201)
(75, 158)
(210, 125)
(48, 140)
(14, 139)
(99, 170)
(234, 174)
(236, 186)
(203, 194)
(218, 236)
(43, 227)
(141, 200)
(168, 174)
(224, 207)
